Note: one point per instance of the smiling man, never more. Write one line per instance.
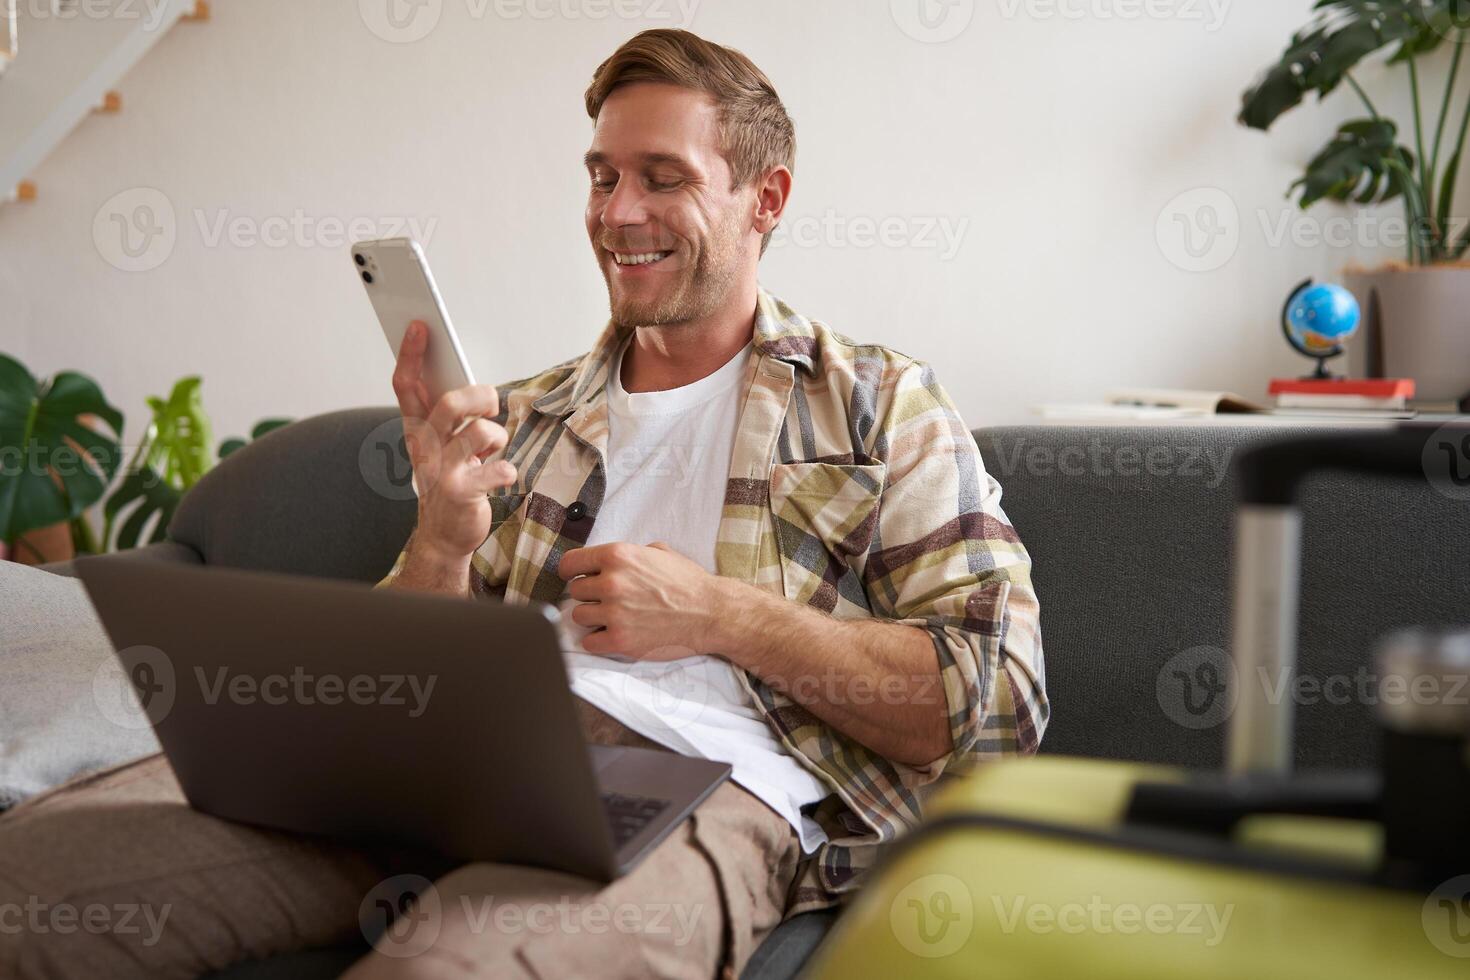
(773, 547)
(828, 597)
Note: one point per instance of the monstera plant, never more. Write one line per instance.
(56, 462)
(1417, 321)
(58, 452)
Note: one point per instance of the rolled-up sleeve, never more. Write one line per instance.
(946, 559)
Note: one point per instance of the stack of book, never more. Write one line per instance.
(1343, 395)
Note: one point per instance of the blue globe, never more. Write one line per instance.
(1319, 318)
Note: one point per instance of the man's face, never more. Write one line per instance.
(669, 233)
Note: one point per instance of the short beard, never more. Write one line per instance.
(701, 289)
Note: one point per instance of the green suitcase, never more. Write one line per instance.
(1055, 867)
(1027, 868)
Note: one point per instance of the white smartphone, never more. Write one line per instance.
(402, 290)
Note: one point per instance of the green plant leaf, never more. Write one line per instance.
(1357, 165)
(1340, 35)
(262, 427)
(267, 425)
(1447, 190)
(181, 448)
(53, 465)
(144, 496)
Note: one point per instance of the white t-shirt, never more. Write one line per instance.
(668, 458)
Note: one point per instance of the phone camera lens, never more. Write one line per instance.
(360, 259)
(367, 277)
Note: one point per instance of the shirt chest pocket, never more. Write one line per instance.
(507, 515)
(825, 515)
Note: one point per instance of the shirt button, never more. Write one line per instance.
(576, 511)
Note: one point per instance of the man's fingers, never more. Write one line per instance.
(408, 371)
(580, 561)
(588, 588)
(480, 438)
(422, 442)
(591, 614)
(455, 406)
(491, 476)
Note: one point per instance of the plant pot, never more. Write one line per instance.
(43, 545)
(1416, 324)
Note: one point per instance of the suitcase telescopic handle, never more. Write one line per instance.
(1267, 574)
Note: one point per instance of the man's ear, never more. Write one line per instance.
(772, 191)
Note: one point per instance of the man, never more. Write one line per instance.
(772, 546)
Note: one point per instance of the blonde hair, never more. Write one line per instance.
(756, 134)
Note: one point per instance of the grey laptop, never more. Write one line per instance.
(382, 717)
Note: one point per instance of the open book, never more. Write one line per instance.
(1155, 403)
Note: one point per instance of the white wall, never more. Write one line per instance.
(1052, 141)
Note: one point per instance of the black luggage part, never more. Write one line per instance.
(1214, 805)
(1270, 474)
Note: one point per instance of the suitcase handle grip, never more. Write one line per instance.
(1267, 582)
(1269, 475)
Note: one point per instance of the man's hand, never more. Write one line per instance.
(647, 602)
(448, 438)
(876, 681)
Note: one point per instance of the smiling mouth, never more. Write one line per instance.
(639, 258)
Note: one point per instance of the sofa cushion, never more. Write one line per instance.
(65, 707)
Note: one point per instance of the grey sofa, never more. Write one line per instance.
(1129, 529)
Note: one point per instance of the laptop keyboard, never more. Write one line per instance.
(627, 814)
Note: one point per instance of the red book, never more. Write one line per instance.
(1361, 387)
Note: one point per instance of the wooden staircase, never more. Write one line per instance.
(69, 58)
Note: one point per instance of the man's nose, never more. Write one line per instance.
(626, 206)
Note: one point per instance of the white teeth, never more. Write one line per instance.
(643, 258)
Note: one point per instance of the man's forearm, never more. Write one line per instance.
(875, 681)
(426, 571)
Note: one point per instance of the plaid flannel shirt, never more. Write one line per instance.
(853, 487)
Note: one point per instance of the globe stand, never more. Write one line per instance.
(1321, 357)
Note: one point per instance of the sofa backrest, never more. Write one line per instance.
(1131, 532)
(326, 496)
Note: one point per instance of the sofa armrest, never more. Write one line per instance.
(159, 551)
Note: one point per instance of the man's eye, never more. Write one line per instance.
(603, 183)
(663, 185)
